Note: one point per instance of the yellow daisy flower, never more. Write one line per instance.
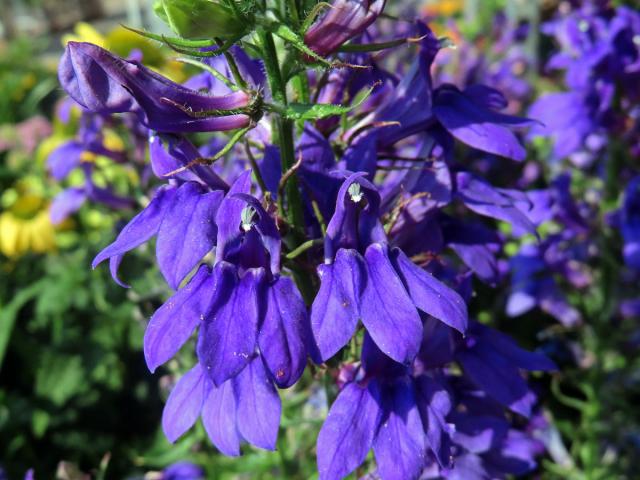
(26, 227)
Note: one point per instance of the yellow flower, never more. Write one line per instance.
(443, 8)
(26, 227)
(84, 32)
(112, 141)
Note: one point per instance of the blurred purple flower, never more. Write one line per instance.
(630, 224)
(183, 471)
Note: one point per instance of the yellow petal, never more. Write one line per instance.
(8, 234)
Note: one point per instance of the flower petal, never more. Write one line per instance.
(174, 322)
(169, 153)
(347, 433)
(434, 405)
(66, 203)
(344, 20)
(141, 227)
(501, 381)
(284, 334)
(429, 294)
(399, 445)
(188, 232)
(227, 338)
(228, 215)
(258, 406)
(478, 127)
(336, 308)
(479, 196)
(104, 83)
(184, 403)
(219, 418)
(387, 311)
(266, 227)
(64, 159)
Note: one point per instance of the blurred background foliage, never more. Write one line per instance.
(76, 399)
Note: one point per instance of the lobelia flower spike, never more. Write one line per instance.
(104, 83)
(364, 279)
(343, 20)
(253, 332)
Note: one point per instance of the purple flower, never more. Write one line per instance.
(182, 218)
(183, 471)
(169, 153)
(469, 115)
(492, 361)
(385, 408)
(245, 408)
(630, 224)
(568, 118)
(363, 279)
(246, 279)
(533, 285)
(104, 83)
(485, 445)
(343, 20)
(70, 200)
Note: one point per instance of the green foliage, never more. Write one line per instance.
(197, 19)
(73, 370)
(26, 87)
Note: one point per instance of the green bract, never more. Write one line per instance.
(195, 19)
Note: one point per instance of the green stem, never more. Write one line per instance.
(295, 15)
(304, 247)
(256, 170)
(301, 87)
(233, 66)
(210, 69)
(284, 129)
(375, 47)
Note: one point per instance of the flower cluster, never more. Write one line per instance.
(599, 55)
(404, 219)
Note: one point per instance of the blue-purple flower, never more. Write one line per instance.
(364, 279)
(104, 83)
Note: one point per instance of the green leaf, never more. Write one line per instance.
(197, 19)
(297, 41)
(40, 423)
(311, 111)
(9, 313)
(60, 377)
(179, 42)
